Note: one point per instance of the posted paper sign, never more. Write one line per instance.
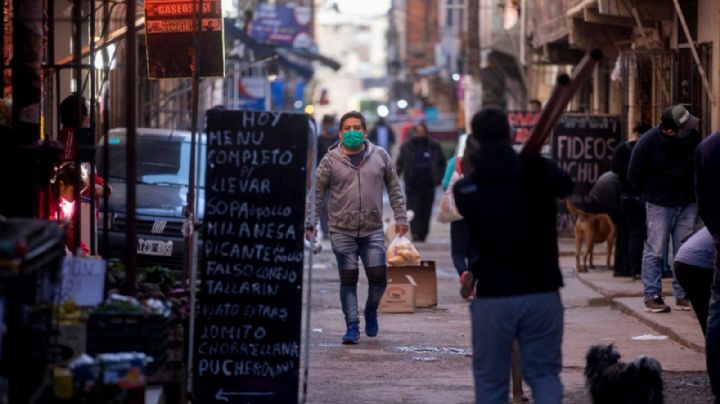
(83, 280)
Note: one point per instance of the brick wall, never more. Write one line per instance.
(422, 30)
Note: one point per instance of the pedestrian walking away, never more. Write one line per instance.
(509, 202)
(661, 167)
(422, 165)
(707, 178)
(353, 174)
(459, 231)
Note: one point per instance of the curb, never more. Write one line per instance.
(610, 297)
(610, 294)
(658, 327)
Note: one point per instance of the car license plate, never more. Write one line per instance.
(155, 247)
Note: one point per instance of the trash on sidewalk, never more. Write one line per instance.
(425, 359)
(649, 337)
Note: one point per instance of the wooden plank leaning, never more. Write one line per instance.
(565, 88)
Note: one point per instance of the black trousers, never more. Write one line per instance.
(460, 245)
(621, 264)
(696, 282)
(420, 201)
(633, 212)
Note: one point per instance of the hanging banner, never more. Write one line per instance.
(583, 146)
(169, 28)
(247, 333)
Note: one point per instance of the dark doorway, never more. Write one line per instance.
(689, 90)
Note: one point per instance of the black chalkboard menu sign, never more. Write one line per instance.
(583, 146)
(247, 331)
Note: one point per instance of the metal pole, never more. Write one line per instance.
(93, 89)
(131, 159)
(106, 129)
(77, 61)
(50, 7)
(190, 208)
(2, 52)
(308, 296)
(188, 231)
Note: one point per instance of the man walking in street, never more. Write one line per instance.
(422, 164)
(661, 167)
(707, 180)
(354, 172)
(509, 203)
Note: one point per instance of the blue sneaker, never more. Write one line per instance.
(371, 324)
(352, 336)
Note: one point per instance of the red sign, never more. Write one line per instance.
(170, 27)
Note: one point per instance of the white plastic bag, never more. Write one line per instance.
(447, 211)
(401, 252)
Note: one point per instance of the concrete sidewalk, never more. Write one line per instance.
(625, 294)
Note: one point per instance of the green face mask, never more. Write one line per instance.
(352, 139)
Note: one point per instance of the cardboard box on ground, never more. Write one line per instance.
(408, 283)
(399, 297)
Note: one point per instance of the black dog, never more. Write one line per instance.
(614, 382)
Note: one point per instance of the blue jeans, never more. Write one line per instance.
(663, 222)
(347, 250)
(536, 321)
(712, 339)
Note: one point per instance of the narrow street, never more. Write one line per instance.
(425, 357)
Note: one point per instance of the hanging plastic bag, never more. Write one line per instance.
(447, 211)
(402, 252)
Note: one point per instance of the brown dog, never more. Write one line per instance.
(590, 229)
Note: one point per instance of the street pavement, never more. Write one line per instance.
(425, 357)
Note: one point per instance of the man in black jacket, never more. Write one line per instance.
(422, 165)
(661, 167)
(509, 203)
(707, 187)
(632, 206)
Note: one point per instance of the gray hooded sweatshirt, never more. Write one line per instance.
(356, 193)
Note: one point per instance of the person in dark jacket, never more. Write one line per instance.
(422, 165)
(694, 266)
(661, 167)
(632, 204)
(707, 187)
(605, 198)
(509, 203)
(383, 135)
